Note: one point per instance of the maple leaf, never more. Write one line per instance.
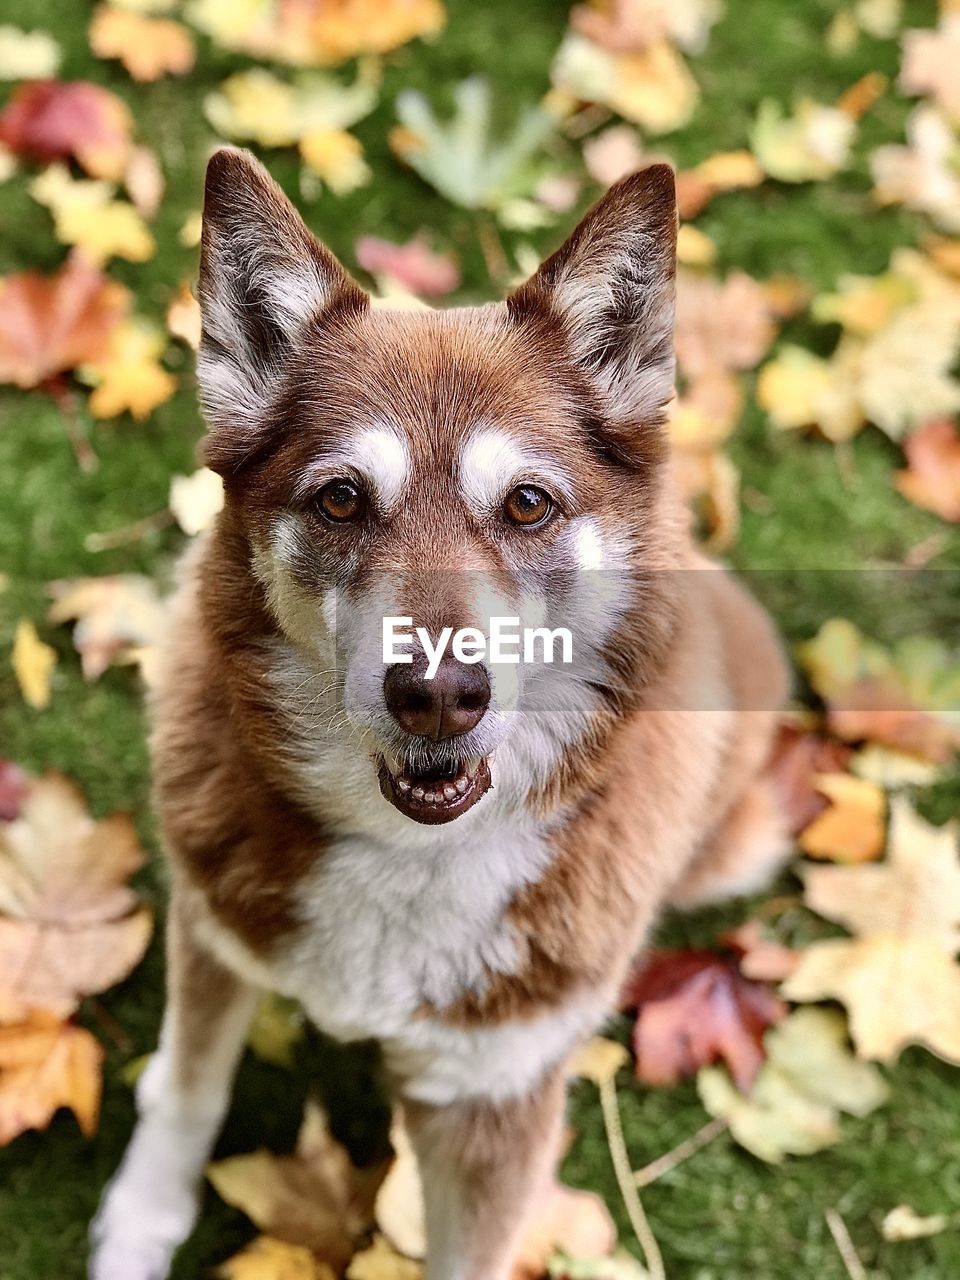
(722, 324)
(758, 955)
(128, 376)
(921, 175)
(119, 619)
(14, 785)
(652, 88)
(336, 157)
(46, 1064)
(257, 106)
(930, 60)
(144, 181)
(808, 1078)
(149, 48)
(800, 389)
(810, 145)
(904, 1223)
(317, 32)
(798, 757)
(85, 214)
(28, 55)
(694, 1007)
(183, 316)
(613, 154)
(852, 828)
(932, 477)
(904, 697)
(196, 500)
(628, 26)
(413, 267)
(315, 1198)
(459, 158)
(382, 1262)
(50, 324)
(56, 120)
(574, 1223)
(269, 1259)
(897, 976)
(710, 483)
(33, 663)
(69, 924)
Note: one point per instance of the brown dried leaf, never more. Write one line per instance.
(44, 1065)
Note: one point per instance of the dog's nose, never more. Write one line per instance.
(453, 702)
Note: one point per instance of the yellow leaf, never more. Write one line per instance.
(196, 500)
(730, 170)
(278, 1025)
(923, 174)
(44, 1065)
(183, 316)
(904, 1223)
(130, 377)
(399, 1206)
(811, 144)
(33, 663)
(694, 247)
(599, 1060)
(652, 88)
(191, 230)
(382, 1262)
(800, 389)
(85, 214)
(28, 55)
(148, 47)
(852, 829)
(269, 1259)
(337, 157)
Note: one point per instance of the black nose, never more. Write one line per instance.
(453, 702)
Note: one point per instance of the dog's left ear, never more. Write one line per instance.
(264, 278)
(611, 288)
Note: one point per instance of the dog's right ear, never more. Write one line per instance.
(263, 278)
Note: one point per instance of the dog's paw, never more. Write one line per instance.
(137, 1230)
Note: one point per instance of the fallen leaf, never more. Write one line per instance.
(14, 785)
(613, 154)
(413, 266)
(85, 214)
(399, 1207)
(28, 55)
(317, 32)
(725, 171)
(709, 483)
(56, 120)
(896, 976)
(722, 324)
(627, 26)
(119, 619)
(809, 1077)
(50, 324)
(269, 1259)
(694, 1007)
(459, 158)
(315, 1198)
(599, 1060)
(652, 88)
(144, 181)
(921, 175)
(800, 389)
(336, 157)
(128, 377)
(758, 956)
(33, 663)
(694, 247)
(258, 106)
(810, 145)
(891, 769)
(903, 1223)
(852, 829)
(382, 1262)
(576, 1223)
(932, 477)
(149, 48)
(46, 1064)
(70, 926)
(799, 756)
(196, 500)
(930, 60)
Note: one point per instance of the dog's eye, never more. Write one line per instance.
(341, 501)
(527, 505)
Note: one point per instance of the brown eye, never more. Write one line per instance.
(527, 505)
(341, 501)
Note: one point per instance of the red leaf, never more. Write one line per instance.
(693, 1008)
(55, 120)
(14, 785)
(413, 265)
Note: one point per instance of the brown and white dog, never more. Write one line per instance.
(461, 868)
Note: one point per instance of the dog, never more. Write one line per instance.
(460, 865)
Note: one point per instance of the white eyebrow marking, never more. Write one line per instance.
(491, 461)
(379, 455)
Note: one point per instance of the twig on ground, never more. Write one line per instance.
(621, 1167)
(841, 1238)
(110, 1026)
(128, 533)
(683, 1151)
(66, 402)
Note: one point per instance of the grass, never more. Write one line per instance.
(722, 1214)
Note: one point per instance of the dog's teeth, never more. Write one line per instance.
(403, 784)
(461, 785)
(449, 793)
(431, 797)
(417, 793)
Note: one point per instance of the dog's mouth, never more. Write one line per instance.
(438, 793)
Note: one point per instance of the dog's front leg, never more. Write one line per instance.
(149, 1207)
(483, 1165)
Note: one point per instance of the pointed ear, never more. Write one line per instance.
(263, 278)
(611, 288)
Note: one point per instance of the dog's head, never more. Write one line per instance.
(442, 467)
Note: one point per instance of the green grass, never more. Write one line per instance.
(722, 1213)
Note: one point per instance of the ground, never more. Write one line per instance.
(722, 1213)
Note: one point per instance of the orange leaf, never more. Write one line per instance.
(852, 829)
(49, 324)
(46, 1064)
(148, 47)
(54, 119)
(932, 477)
